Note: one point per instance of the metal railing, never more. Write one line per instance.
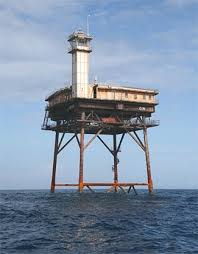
(87, 48)
(147, 122)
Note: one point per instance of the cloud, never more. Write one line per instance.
(42, 8)
(30, 80)
(34, 59)
(121, 63)
(181, 3)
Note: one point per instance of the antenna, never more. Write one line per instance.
(88, 23)
(95, 80)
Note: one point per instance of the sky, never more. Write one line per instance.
(139, 43)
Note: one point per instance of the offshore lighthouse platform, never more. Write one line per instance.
(98, 109)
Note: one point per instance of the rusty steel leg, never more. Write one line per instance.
(80, 187)
(53, 180)
(148, 166)
(115, 167)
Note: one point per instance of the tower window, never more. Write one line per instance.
(144, 96)
(135, 96)
(81, 43)
(126, 95)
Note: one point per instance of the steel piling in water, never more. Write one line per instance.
(148, 164)
(81, 165)
(80, 128)
(53, 180)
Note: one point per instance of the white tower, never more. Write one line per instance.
(80, 49)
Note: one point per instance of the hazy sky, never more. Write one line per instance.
(136, 43)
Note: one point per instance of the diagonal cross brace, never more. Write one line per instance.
(137, 142)
(118, 148)
(105, 145)
(60, 149)
(139, 139)
(92, 139)
(61, 140)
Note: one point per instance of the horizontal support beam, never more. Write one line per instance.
(118, 184)
(102, 184)
(66, 185)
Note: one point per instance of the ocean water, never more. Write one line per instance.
(69, 222)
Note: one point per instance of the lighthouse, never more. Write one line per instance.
(98, 109)
(80, 49)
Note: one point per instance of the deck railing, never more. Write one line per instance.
(48, 124)
(147, 122)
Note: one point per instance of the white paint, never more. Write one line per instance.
(80, 64)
